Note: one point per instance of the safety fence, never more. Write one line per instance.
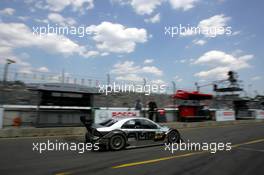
(29, 76)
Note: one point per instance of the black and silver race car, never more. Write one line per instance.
(116, 134)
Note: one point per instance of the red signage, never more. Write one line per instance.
(124, 114)
(228, 113)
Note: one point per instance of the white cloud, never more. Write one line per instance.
(217, 72)
(255, 78)
(43, 69)
(7, 11)
(23, 18)
(58, 19)
(90, 53)
(236, 33)
(127, 67)
(237, 52)
(210, 27)
(190, 32)
(111, 37)
(216, 57)
(183, 60)
(143, 7)
(183, 4)
(152, 69)
(178, 79)
(46, 21)
(154, 19)
(199, 42)
(25, 70)
(214, 23)
(121, 2)
(129, 77)
(220, 63)
(147, 7)
(148, 61)
(158, 81)
(18, 35)
(77, 5)
(129, 70)
(104, 54)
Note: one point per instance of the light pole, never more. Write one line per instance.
(197, 86)
(174, 91)
(173, 86)
(144, 99)
(8, 62)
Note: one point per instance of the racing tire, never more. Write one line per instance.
(174, 136)
(117, 142)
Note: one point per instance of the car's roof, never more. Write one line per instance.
(124, 119)
(120, 121)
(129, 118)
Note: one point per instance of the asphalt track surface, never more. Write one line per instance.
(245, 157)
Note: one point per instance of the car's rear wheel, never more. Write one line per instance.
(117, 142)
(174, 136)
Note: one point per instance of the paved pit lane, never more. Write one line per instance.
(245, 157)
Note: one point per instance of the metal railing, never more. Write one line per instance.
(15, 75)
(49, 77)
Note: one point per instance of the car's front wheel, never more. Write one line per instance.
(117, 142)
(174, 136)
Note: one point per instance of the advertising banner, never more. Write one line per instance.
(104, 114)
(259, 114)
(1, 117)
(225, 115)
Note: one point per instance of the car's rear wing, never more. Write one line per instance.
(87, 123)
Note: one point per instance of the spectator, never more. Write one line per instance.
(152, 109)
(138, 105)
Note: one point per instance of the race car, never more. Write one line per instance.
(116, 134)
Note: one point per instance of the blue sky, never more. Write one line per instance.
(128, 39)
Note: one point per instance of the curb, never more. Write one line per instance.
(71, 131)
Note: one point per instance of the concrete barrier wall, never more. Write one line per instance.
(73, 131)
(259, 114)
(30, 117)
(60, 116)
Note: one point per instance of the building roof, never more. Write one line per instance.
(63, 87)
(186, 95)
